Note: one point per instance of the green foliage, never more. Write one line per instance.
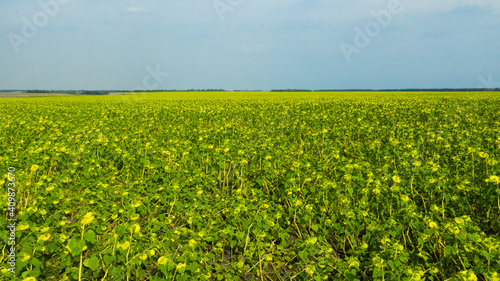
(76, 246)
(276, 186)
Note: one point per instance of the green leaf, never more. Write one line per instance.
(233, 243)
(163, 269)
(303, 256)
(109, 259)
(240, 235)
(170, 265)
(76, 246)
(36, 262)
(92, 263)
(473, 237)
(486, 254)
(117, 272)
(89, 236)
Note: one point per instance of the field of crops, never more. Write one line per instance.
(252, 186)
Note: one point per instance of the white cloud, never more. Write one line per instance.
(135, 9)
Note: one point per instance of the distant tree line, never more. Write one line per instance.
(94, 93)
(247, 90)
(82, 92)
(40, 91)
(290, 90)
(415, 90)
(189, 90)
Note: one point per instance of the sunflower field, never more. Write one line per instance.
(251, 186)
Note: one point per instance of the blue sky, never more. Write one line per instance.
(246, 45)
